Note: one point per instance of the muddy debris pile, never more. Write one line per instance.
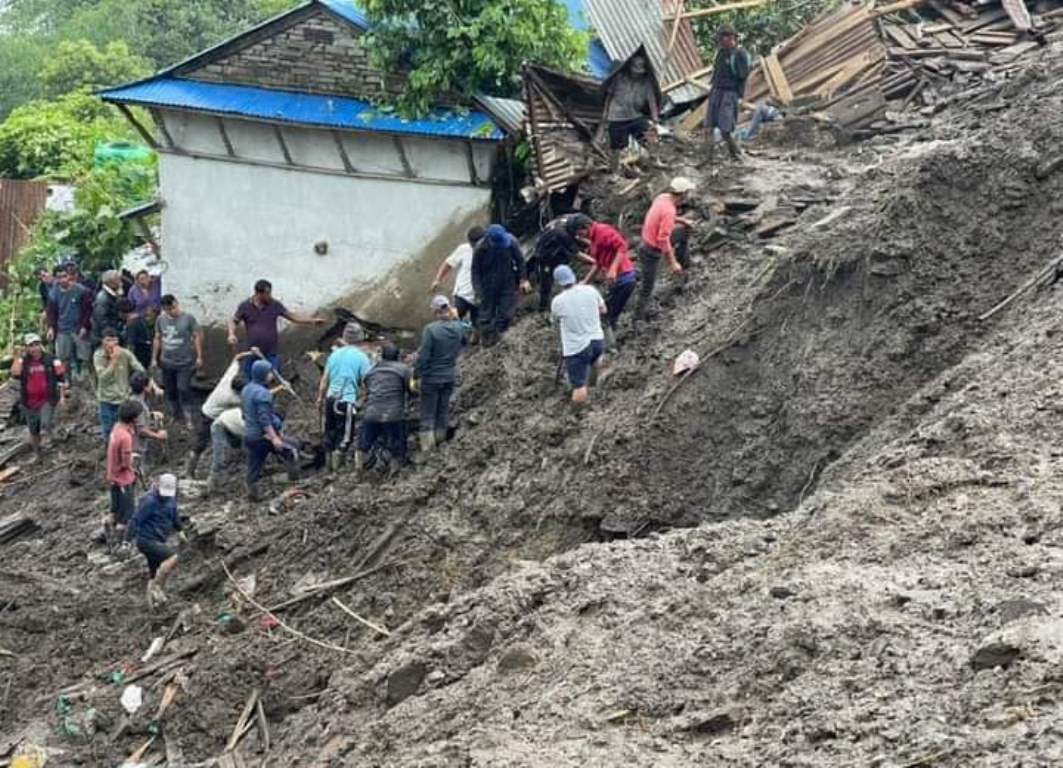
(835, 544)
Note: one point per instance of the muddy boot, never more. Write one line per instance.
(253, 492)
(441, 437)
(190, 465)
(732, 146)
(213, 484)
(359, 461)
(150, 595)
(160, 596)
(610, 338)
(332, 463)
(294, 472)
(428, 441)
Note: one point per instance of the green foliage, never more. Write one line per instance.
(760, 29)
(57, 137)
(452, 48)
(77, 64)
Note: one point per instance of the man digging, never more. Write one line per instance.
(155, 521)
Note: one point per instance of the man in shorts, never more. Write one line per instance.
(155, 521)
(578, 310)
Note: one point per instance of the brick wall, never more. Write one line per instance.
(319, 54)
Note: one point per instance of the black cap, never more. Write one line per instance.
(726, 30)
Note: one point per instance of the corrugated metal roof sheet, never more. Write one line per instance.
(300, 108)
(623, 25)
(348, 10)
(508, 113)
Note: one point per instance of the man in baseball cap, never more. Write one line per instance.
(664, 236)
(338, 393)
(436, 371)
(42, 385)
(156, 519)
(578, 310)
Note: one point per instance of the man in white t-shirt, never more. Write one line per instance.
(578, 309)
(461, 260)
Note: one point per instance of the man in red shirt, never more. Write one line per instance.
(608, 256)
(658, 232)
(121, 473)
(43, 387)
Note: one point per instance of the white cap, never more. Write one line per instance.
(167, 486)
(681, 185)
(439, 303)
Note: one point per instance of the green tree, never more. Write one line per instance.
(463, 47)
(57, 137)
(760, 28)
(79, 64)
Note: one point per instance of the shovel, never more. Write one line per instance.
(280, 379)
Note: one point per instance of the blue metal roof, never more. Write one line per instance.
(300, 108)
(348, 10)
(599, 63)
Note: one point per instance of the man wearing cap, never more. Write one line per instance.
(497, 273)
(41, 386)
(338, 393)
(105, 312)
(729, 75)
(659, 230)
(262, 429)
(260, 314)
(114, 366)
(436, 371)
(578, 310)
(156, 519)
(608, 256)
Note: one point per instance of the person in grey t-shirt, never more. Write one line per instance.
(633, 104)
(178, 352)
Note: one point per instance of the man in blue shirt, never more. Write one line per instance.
(338, 393)
(155, 521)
(262, 429)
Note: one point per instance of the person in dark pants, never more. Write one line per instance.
(105, 312)
(178, 352)
(633, 104)
(260, 314)
(139, 338)
(608, 256)
(556, 246)
(121, 472)
(658, 240)
(156, 519)
(69, 315)
(729, 75)
(384, 419)
(338, 391)
(42, 388)
(262, 429)
(437, 370)
(460, 261)
(497, 274)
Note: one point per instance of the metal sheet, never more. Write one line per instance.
(507, 113)
(290, 107)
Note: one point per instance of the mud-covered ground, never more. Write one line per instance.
(835, 544)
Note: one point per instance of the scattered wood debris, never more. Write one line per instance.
(15, 526)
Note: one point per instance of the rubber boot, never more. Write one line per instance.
(190, 465)
(213, 484)
(158, 593)
(441, 437)
(610, 338)
(332, 461)
(253, 493)
(428, 441)
(710, 159)
(732, 146)
(150, 594)
(359, 461)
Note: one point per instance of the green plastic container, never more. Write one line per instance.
(119, 152)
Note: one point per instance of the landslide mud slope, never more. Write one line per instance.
(842, 342)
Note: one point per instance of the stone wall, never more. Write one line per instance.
(317, 54)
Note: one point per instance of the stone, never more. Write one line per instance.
(781, 593)
(1013, 610)
(478, 642)
(517, 658)
(404, 682)
(995, 654)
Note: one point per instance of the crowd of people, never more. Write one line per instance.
(135, 346)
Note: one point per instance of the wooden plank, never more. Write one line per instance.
(984, 19)
(675, 25)
(903, 5)
(1019, 15)
(847, 73)
(776, 78)
(946, 12)
(896, 33)
(144, 132)
(703, 12)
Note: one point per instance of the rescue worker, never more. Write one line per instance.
(384, 421)
(260, 314)
(436, 371)
(337, 393)
(497, 274)
(633, 104)
(608, 256)
(658, 236)
(155, 521)
(460, 262)
(578, 310)
(729, 74)
(556, 246)
(262, 429)
(223, 397)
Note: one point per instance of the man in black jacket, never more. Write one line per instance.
(42, 388)
(729, 75)
(105, 312)
(384, 417)
(497, 274)
(437, 370)
(556, 246)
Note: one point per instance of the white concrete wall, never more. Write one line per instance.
(226, 224)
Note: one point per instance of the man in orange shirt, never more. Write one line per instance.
(121, 474)
(657, 235)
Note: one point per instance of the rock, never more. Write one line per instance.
(478, 642)
(517, 658)
(1024, 571)
(404, 682)
(1013, 610)
(995, 654)
(781, 593)
(435, 677)
(706, 723)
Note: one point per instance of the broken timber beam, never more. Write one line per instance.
(702, 12)
(1042, 275)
